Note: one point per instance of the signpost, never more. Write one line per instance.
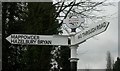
(90, 32)
(25, 39)
(73, 21)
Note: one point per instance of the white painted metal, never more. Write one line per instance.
(90, 32)
(26, 39)
(73, 22)
(74, 51)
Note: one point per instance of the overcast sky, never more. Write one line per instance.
(92, 53)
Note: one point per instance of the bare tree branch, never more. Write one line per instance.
(82, 7)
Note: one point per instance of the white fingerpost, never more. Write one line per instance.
(73, 58)
(73, 48)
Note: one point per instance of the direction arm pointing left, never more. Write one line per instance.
(9, 38)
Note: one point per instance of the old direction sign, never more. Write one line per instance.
(73, 20)
(90, 32)
(25, 39)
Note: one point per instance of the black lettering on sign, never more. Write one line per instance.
(20, 41)
(92, 30)
(104, 24)
(44, 42)
(25, 37)
(14, 36)
(17, 41)
(79, 36)
(13, 41)
(30, 41)
(27, 41)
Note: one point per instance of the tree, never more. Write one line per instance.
(109, 62)
(33, 18)
(116, 66)
(12, 19)
(41, 20)
(61, 57)
(85, 8)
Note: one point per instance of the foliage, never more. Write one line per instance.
(116, 66)
(109, 62)
(60, 59)
(27, 18)
(40, 21)
(12, 19)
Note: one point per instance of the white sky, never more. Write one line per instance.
(92, 53)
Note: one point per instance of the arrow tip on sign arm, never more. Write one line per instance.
(9, 38)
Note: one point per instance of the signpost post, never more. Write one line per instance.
(73, 21)
(76, 39)
(73, 59)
